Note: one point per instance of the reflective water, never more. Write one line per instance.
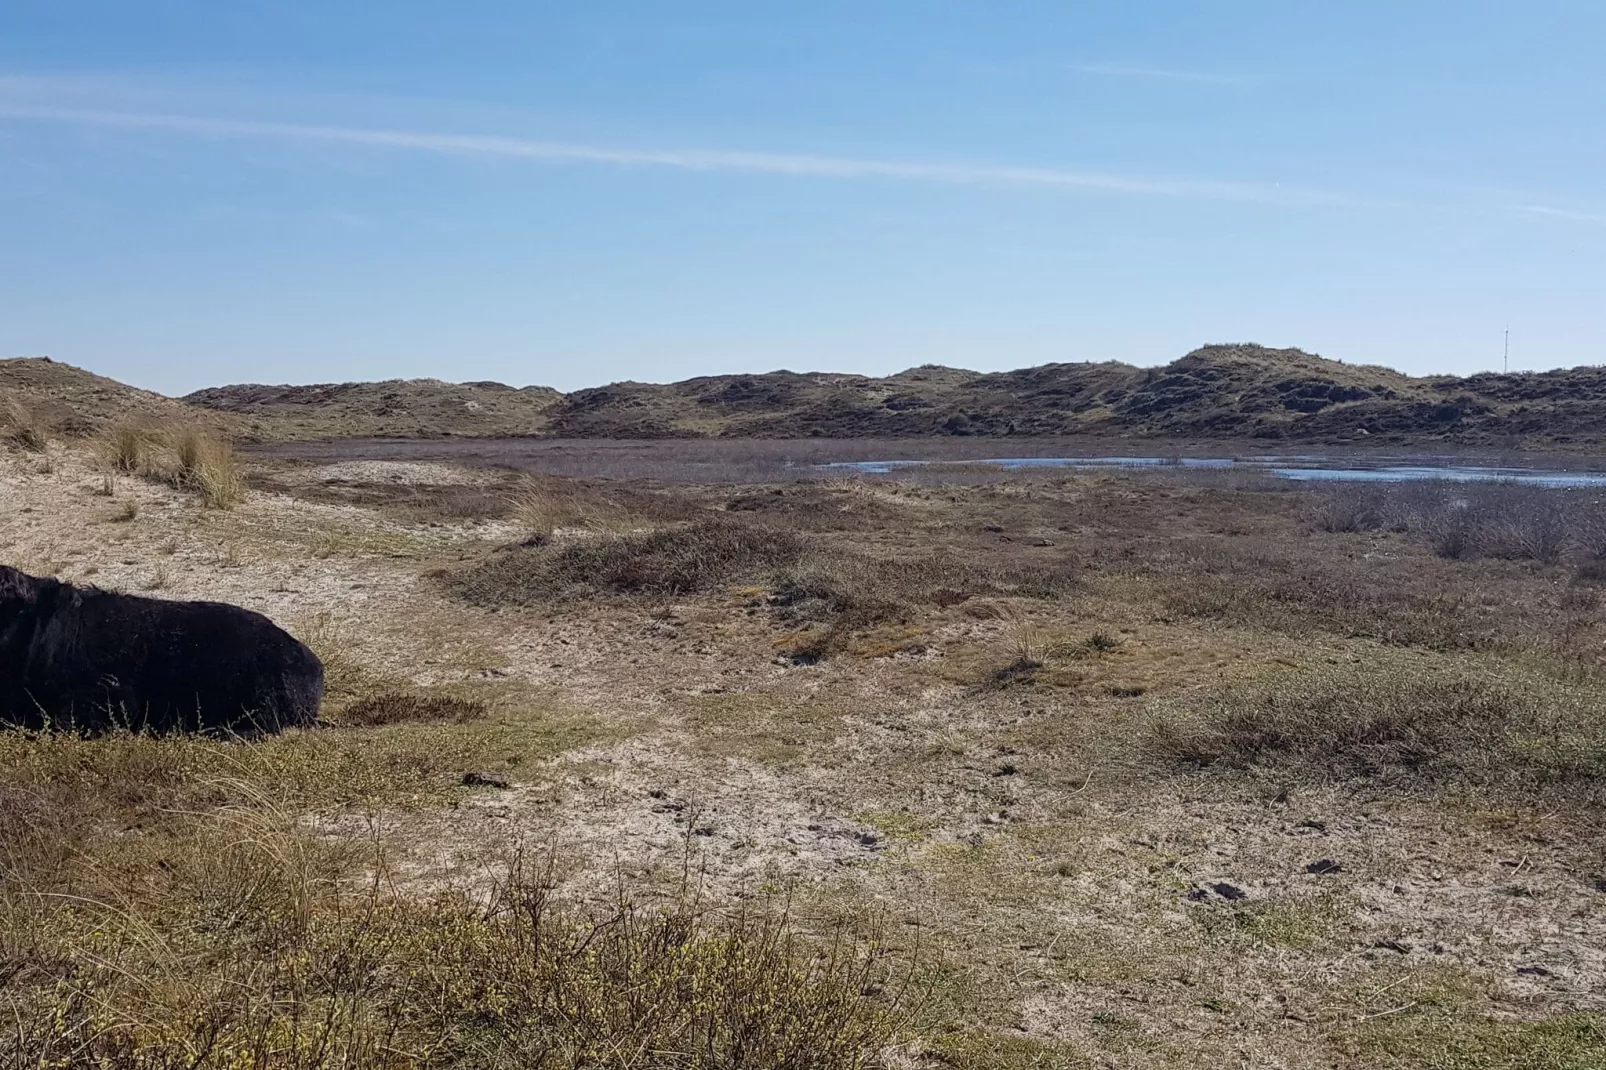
(1303, 468)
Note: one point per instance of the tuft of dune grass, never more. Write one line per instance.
(23, 427)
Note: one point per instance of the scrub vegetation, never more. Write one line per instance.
(644, 765)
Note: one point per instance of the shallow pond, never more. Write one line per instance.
(1302, 468)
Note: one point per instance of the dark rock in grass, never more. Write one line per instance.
(1324, 866)
(486, 780)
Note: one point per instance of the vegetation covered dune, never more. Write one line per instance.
(1218, 393)
(956, 769)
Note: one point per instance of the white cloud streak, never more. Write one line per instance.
(1159, 74)
(701, 160)
(1566, 214)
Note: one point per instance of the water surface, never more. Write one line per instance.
(1303, 468)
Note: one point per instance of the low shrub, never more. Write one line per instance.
(1352, 507)
(840, 593)
(1465, 520)
(685, 559)
(1476, 519)
(1393, 722)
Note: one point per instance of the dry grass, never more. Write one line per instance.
(393, 707)
(22, 427)
(206, 464)
(251, 948)
(125, 449)
(180, 455)
(542, 508)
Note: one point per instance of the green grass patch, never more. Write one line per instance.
(1438, 1040)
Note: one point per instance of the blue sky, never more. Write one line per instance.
(290, 191)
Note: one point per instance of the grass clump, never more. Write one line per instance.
(22, 427)
(206, 465)
(701, 556)
(124, 449)
(1396, 723)
(540, 508)
(394, 707)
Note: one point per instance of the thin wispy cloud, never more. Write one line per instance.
(704, 160)
(1568, 214)
(1159, 74)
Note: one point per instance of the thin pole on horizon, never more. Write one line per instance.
(1505, 359)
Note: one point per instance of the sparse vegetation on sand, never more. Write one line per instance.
(955, 768)
(185, 456)
(250, 946)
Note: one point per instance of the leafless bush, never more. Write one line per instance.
(1526, 522)
(1352, 507)
(1453, 531)
(1513, 521)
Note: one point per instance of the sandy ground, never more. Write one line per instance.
(1092, 905)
